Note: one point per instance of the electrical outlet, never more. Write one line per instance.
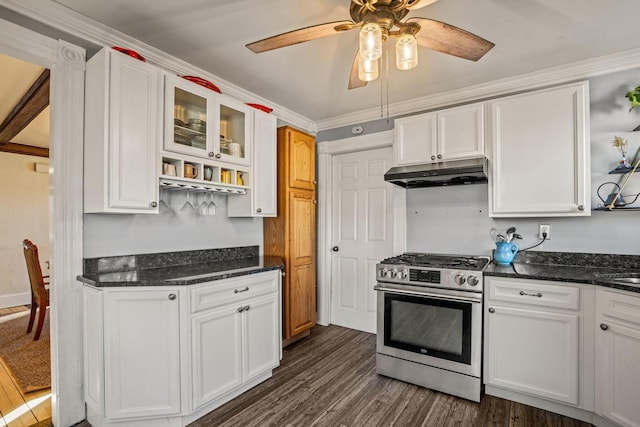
(544, 228)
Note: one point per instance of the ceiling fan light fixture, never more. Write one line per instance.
(371, 41)
(367, 70)
(406, 52)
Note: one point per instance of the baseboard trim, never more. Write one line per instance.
(13, 300)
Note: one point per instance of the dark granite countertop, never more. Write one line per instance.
(597, 269)
(177, 268)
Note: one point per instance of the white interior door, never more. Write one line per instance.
(362, 234)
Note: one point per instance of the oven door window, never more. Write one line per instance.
(433, 327)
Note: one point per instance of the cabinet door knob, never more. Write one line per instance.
(172, 297)
(240, 309)
(439, 156)
(335, 249)
(218, 155)
(259, 210)
(580, 207)
(433, 157)
(211, 154)
(604, 326)
(237, 291)
(492, 310)
(246, 308)
(154, 204)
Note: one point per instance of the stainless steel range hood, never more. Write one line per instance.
(455, 172)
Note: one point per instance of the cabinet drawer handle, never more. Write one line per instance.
(492, 310)
(172, 297)
(237, 291)
(604, 326)
(240, 309)
(246, 308)
(539, 295)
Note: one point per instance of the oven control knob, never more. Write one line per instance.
(472, 280)
(403, 274)
(382, 272)
(393, 273)
(459, 279)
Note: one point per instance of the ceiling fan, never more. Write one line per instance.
(378, 21)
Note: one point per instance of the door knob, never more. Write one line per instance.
(335, 249)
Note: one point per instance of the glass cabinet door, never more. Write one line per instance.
(188, 114)
(236, 136)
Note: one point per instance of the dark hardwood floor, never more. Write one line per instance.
(329, 379)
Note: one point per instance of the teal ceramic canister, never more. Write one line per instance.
(505, 252)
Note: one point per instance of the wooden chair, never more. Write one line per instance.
(39, 293)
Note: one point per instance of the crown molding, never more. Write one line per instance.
(580, 70)
(64, 19)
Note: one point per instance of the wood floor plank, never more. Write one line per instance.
(329, 379)
(11, 400)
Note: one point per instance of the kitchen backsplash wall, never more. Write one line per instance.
(111, 234)
(455, 219)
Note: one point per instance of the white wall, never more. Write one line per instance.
(455, 219)
(116, 234)
(24, 214)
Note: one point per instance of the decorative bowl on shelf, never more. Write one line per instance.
(131, 53)
(202, 82)
(260, 107)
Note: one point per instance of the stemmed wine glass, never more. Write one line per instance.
(188, 207)
(202, 208)
(211, 207)
(164, 206)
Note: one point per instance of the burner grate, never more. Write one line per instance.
(438, 261)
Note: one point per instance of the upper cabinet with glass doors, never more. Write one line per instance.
(203, 123)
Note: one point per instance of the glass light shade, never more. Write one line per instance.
(406, 52)
(371, 41)
(367, 70)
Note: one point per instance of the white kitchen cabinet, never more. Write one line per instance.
(216, 339)
(122, 127)
(451, 134)
(539, 153)
(261, 199)
(235, 343)
(535, 342)
(163, 355)
(617, 353)
(206, 124)
(132, 353)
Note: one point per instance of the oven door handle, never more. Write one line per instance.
(426, 294)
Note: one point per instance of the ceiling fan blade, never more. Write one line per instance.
(452, 40)
(418, 4)
(354, 80)
(300, 36)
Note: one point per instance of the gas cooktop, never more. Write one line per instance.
(458, 262)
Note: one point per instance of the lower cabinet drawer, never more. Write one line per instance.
(534, 293)
(221, 292)
(619, 306)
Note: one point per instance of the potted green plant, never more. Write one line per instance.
(634, 98)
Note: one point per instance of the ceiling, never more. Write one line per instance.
(17, 77)
(311, 78)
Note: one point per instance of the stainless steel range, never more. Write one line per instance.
(430, 321)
